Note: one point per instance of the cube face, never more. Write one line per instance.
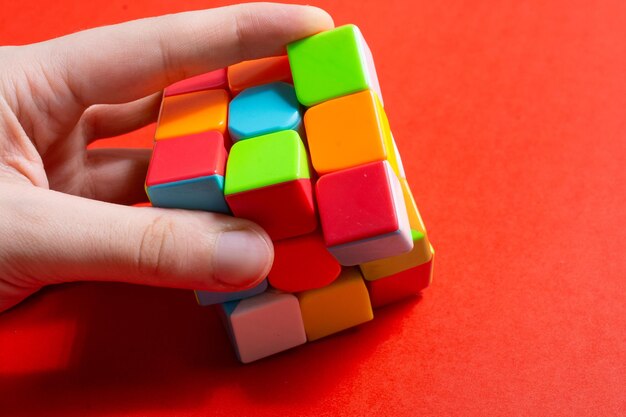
(202, 193)
(207, 298)
(343, 304)
(331, 64)
(359, 203)
(264, 109)
(248, 74)
(347, 132)
(263, 325)
(302, 263)
(190, 113)
(401, 285)
(209, 81)
(266, 160)
(186, 157)
(284, 210)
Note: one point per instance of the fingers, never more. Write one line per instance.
(116, 175)
(109, 120)
(124, 62)
(58, 237)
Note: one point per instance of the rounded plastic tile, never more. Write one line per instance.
(264, 109)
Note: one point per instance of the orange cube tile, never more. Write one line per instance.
(343, 304)
(191, 113)
(346, 132)
(248, 74)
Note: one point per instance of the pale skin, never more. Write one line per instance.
(64, 213)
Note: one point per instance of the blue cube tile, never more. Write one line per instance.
(264, 109)
(207, 298)
(202, 193)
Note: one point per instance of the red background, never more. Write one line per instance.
(511, 117)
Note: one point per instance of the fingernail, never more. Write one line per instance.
(242, 258)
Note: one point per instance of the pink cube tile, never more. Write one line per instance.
(263, 325)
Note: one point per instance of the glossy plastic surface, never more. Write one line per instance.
(330, 64)
(266, 160)
(347, 132)
(208, 81)
(284, 210)
(343, 304)
(302, 263)
(258, 72)
(190, 113)
(264, 109)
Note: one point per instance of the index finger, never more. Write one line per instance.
(124, 62)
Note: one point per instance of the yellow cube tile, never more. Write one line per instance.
(391, 150)
(394, 158)
(338, 306)
(415, 219)
(191, 113)
(422, 250)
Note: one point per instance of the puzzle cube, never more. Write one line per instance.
(347, 132)
(363, 214)
(207, 298)
(302, 263)
(332, 64)
(190, 113)
(401, 285)
(248, 74)
(268, 182)
(343, 304)
(188, 172)
(209, 81)
(263, 325)
(367, 213)
(264, 109)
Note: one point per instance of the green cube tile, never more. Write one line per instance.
(416, 235)
(331, 64)
(266, 160)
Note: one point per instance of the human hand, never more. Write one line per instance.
(62, 216)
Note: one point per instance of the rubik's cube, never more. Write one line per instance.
(301, 145)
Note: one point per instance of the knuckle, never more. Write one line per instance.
(156, 239)
(246, 25)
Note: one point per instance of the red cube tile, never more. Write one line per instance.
(284, 210)
(302, 263)
(404, 284)
(185, 157)
(363, 214)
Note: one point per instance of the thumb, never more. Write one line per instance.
(58, 238)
